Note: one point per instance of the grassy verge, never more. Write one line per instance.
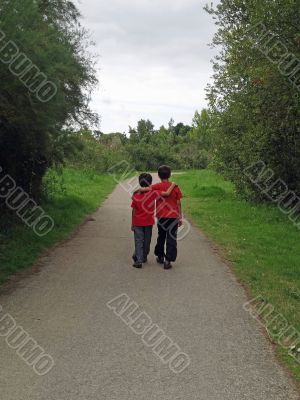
(82, 194)
(261, 242)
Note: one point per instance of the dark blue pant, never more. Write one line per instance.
(142, 239)
(167, 235)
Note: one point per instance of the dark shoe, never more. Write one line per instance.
(137, 265)
(160, 260)
(168, 265)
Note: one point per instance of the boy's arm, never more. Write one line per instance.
(150, 188)
(169, 191)
(143, 190)
(180, 212)
(133, 214)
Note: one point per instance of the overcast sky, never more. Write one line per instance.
(154, 59)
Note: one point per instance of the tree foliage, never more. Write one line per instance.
(256, 106)
(49, 34)
(145, 148)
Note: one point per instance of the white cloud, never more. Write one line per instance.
(155, 61)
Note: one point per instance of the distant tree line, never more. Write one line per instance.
(145, 148)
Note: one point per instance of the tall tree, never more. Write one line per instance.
(47, 37)
(256, 105)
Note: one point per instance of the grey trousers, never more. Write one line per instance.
(142, 240)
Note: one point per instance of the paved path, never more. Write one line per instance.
(198, 304)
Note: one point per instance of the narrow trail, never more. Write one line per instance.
(97, 357)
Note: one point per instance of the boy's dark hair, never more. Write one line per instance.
(145, 180)
(164, 172)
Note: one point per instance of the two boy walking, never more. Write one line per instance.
(164, 197)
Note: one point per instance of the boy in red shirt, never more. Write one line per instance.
(169, 215)
(143, 208)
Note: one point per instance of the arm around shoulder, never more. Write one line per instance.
(169, 191)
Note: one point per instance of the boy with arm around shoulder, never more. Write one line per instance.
(143, 209)
(169, 215)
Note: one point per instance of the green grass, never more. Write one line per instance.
(20, 246)
(259, 240)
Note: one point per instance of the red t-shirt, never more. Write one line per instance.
(144, 205)
(167, 207)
